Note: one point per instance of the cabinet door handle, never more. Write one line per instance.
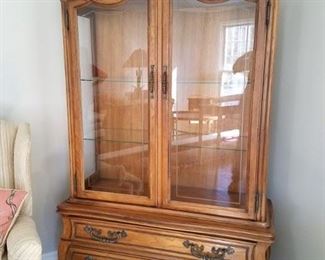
(215, 254)
(164, 82)
(152, 81)
(112, 237)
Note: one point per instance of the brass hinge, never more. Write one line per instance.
(257, 201)
(67, 20)
(268, 13)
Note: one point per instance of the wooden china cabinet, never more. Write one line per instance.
(168, 107)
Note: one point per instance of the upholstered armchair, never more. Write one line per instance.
(23, 242)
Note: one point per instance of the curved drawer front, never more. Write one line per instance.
(118, 236)
(88, 254)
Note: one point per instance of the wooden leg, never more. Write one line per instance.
(65, 237)
(63, 250)
(262, 251)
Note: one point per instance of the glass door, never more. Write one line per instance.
(116, 87)
(212, 108)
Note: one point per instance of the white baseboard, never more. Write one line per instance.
(50, 256)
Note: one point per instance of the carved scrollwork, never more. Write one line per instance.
(103, 2)
(213, 1)
(215, 254)
(112, 237)
(220, 1)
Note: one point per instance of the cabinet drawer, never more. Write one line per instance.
(89, 254)
(180, 245)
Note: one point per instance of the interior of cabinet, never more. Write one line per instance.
(209, 103)
(212, 52)
(114, 80)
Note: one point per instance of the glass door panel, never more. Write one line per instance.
(210, 103)
(114, 57)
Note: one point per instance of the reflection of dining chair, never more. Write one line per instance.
(209, 114)
(215, 115)
(244, 64)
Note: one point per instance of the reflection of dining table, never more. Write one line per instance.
(195, 102)
(209, 113)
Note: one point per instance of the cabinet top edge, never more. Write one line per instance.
(176, 219)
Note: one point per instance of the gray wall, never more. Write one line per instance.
(297, 162)
(32, 88)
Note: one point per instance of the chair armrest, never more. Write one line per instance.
(23, 242)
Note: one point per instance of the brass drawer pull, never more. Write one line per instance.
(112, 237)
(215, 254)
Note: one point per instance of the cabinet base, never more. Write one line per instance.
(93, 232)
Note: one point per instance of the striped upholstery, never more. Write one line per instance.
(22, 167)
(7, 141)
(23, 242)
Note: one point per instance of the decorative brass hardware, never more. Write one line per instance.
(164, 82)
(89, 257)
(215, 254)
(152, 81)
(112, 237)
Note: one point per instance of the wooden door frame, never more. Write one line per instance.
(259, 107)
(72, 69)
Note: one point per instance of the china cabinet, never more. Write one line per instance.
(168, 108)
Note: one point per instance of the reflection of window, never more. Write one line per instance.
(238, 39)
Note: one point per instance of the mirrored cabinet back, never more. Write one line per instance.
(168, 110)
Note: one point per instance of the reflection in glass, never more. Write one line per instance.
(113, 77)
(211, 95)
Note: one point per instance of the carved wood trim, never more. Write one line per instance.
(103, 3)
(220, 1)
(213, 1)
(108, 1)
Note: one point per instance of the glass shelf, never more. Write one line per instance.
(146, 82)
(180, 146)
(113, 80)
(215, 147)
(210, 196)
(117, 186)
(203, 82)
(199, 82)
(115, 141)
